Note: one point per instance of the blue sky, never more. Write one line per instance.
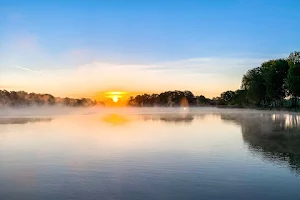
(84, 47)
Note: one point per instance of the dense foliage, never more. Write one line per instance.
(169, 99)
(21, 98)
(270, 84)
(266, 86)
(274, 84)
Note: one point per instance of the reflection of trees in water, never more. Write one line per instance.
(187, 117)
(23, 120)
(177, 119)
(170, 118)
(274, 137)
(116, 119)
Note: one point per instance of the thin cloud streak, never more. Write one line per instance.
(205, 76)
(26, 69)
(217, 65)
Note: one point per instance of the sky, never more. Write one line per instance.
(85, 48)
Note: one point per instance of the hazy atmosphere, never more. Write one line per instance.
(85, 48)
(162, 100)
(150, 153)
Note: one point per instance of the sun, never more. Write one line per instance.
(115, 98)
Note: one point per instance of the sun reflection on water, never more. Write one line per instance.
(115, 119)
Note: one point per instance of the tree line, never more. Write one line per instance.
(21, 98)
(274, 84)
(172, 99)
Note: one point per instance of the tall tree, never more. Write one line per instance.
(240, 98)
(294, 57)
(201, 100)
(228, 97)
(274, 73)
(253, 83)
(293, 81)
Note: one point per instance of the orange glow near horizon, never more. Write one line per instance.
(115, 119)
(116, 96)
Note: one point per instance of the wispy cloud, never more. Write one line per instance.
(217, 65)
(26, 69)
(227, 67)
(208, 76)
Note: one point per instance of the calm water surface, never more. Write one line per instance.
(151, 154)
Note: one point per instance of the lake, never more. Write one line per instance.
(151, 153)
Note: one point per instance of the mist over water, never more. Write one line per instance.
(149, 153)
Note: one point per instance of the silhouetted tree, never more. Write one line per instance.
(169, 98)
(228, 97)
(21, 98)
(201, 100)
(253, 83)
(293, 82)
(274, 73)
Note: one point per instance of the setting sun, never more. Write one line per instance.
(115, 98)
(170, 99)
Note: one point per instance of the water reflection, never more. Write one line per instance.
(122, 119)
(23, 120)
(151, 155)
(275, 137)
(170, 118)
(115, 119)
